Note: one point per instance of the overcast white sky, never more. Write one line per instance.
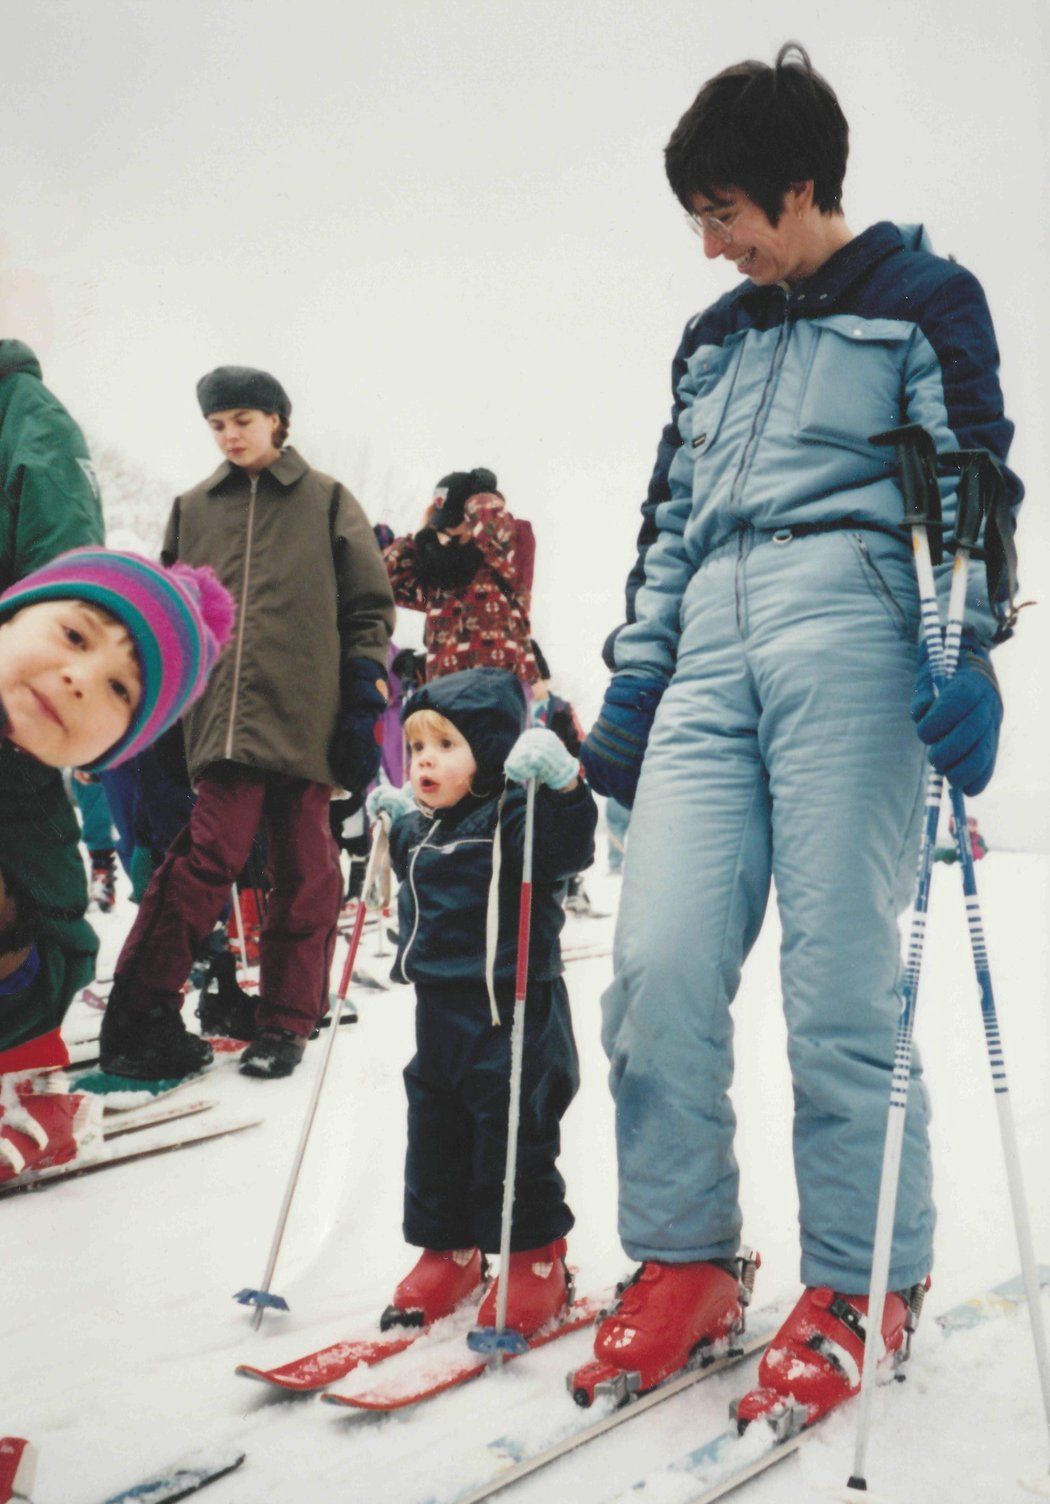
(445, 227)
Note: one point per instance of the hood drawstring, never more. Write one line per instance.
(492, 912)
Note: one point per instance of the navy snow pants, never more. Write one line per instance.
(458, 1086)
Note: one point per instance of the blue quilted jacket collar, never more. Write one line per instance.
(827, 287)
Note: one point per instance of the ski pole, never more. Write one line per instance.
(922, 512)
(263, 1297)
(497, 1341)
(977, 490)
(238, 914)
(978, 486)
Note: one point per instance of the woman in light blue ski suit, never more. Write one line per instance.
(761, 684)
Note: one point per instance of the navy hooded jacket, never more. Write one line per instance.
(445, 863)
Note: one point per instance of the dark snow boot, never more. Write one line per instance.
(148, 1045)
(273, 1052)
(224, 1007)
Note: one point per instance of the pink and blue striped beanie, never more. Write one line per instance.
(179, 620)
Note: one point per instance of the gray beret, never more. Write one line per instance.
(241, 386)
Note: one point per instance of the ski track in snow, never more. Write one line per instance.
(120, 1335)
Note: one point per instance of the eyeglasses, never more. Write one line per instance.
(707, 222)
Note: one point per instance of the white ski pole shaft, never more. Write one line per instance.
(896, 1117)
(378, 844)
(517, 1054)
(1001, 1089)
(242, 943)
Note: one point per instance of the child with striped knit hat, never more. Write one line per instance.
(100, 652)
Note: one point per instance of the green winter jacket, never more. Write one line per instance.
(49, 502)
(49, 496)
(300, 558)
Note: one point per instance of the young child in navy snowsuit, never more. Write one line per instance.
(456, 844)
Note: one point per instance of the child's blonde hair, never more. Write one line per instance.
(428, 720)
(438, 725)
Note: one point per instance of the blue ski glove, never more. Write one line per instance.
(358, 742)
(961, 724)
(540, 754)
(386, 800)
(613, 750)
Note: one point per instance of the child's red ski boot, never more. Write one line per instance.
(816, 1359)
(669, 1317)
(42, 1125)
(539, 1290)
(441, 1280)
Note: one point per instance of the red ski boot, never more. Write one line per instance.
(815, 1360)
(441, 1280)
(539, 1290)
(669, 1317)
(42, 1125)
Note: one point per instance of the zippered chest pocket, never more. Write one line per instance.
(706, 389)
(853, 384)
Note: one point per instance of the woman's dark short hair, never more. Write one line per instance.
(762, 129)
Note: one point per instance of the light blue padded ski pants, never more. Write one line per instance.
(782, 747)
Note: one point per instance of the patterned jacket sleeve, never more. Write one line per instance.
(400, 561)
(492, 530)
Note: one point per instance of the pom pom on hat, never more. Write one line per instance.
(178, 619)
(242, 386)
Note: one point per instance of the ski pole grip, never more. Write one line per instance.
(917, 456)
(981, 487)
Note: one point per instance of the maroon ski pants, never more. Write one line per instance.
(189, 890)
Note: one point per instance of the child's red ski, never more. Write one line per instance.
(313, 1371)
(462, 1369)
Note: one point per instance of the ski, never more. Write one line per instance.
(460, 1370)
(151, 1117)
(35, 1179)
(508, 1459)
(725, 1462)
(180, 1480)
(313, 1371)
(124, 1093)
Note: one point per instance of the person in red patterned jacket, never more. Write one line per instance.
(469, 569)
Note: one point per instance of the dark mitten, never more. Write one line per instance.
(960, 725)
(448, 566)
(358, 742)
(614, 747)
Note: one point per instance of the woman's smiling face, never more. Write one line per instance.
(734, 227)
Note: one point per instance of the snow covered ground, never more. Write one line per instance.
(119, 1347)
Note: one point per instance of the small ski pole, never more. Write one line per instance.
(263, 1297)
(238, 914)
(497, 1341)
